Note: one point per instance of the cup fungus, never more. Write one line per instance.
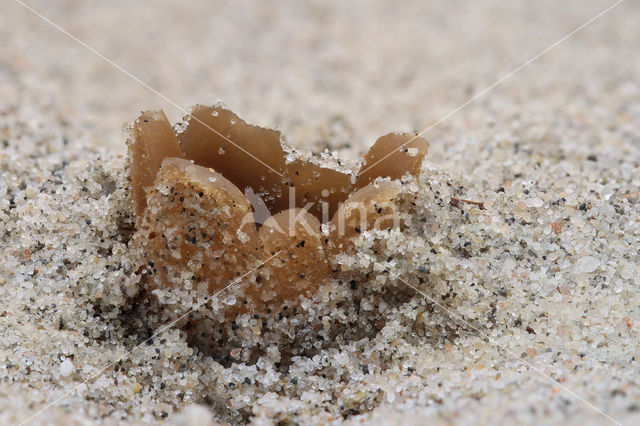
(192, 187)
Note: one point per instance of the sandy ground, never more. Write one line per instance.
(541, 288)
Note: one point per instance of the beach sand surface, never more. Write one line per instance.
(525, 311)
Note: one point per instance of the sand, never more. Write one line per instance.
(525, 311)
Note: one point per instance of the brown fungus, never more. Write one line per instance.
(249, 156)
(301, 264)
(319, 189)
(371, 207)
(199, 218)
(152, 140)
(392, 156)
(196, 225)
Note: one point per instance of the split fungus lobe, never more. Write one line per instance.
(192, 189)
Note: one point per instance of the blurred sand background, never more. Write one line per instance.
(359, 69)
